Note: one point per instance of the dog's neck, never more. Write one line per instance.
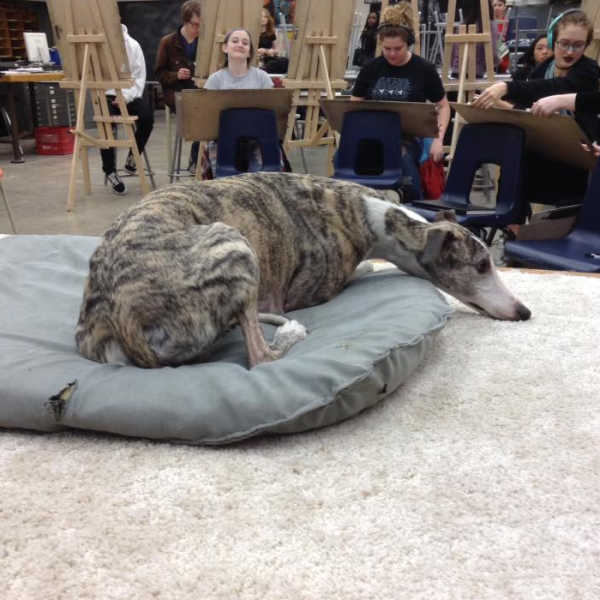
(400, 234)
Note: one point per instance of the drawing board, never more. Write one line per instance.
(418, 118)
(321, 22)
(85, 17)
(557, 137)
(197, 111)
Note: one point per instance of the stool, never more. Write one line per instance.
(10, 218)
(174, 152)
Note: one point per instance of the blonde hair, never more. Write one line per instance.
(397, 21)
(573, 17)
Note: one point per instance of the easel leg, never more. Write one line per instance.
(461, 89)
(79, 126)
(85, 164)
(71, 196)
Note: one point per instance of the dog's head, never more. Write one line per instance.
(460, 264)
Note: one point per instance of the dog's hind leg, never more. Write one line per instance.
(287, 334)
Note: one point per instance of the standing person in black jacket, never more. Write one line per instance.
(368, 38)
(175, 60)
(568, 71)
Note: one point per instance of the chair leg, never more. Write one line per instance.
(176, 159)
(298, 133)
(169, 135)
(149, 169)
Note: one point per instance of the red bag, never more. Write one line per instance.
(433, 179)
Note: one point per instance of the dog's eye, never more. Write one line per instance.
(483, 265)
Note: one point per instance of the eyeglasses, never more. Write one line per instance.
(574, 47)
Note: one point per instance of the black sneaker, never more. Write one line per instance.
(130, 166)
(117, 185)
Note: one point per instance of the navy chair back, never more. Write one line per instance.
(370, 150)
(479, 144)
(241, 129)
(588, 218)
(484, 143)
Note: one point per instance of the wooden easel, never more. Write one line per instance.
(592, 10)
(416, 24)
(317, 66)
(219, 17)
(467, 39)
(89, 36)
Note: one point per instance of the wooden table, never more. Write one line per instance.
(14, 78)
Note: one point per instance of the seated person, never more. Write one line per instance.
(136, 106)
(268, 46)
(501, 25)
(237, 74)
(535, 55)
(569, 71)
(368, 40)
(401, 75)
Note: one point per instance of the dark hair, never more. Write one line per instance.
(367, 26)
(226, 39)
(189, 9)
(528, 57)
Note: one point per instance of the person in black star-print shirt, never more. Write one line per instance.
(401, 75)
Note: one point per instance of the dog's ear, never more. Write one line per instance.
(445, 215)
(437, 240)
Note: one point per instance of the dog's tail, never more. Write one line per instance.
(272, 319)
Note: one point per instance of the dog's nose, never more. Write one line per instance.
(523, 312)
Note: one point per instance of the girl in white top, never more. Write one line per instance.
(236, 75)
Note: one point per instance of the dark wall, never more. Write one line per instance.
(147, 22)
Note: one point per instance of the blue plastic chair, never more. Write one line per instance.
(237, 125)
(370, 149)
(483, 143)
(577, 251)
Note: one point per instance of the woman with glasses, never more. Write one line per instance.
(567, 72)
(175, 60)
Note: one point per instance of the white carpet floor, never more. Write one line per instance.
(479, 478)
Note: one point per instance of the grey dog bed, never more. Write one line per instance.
(362, 345)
